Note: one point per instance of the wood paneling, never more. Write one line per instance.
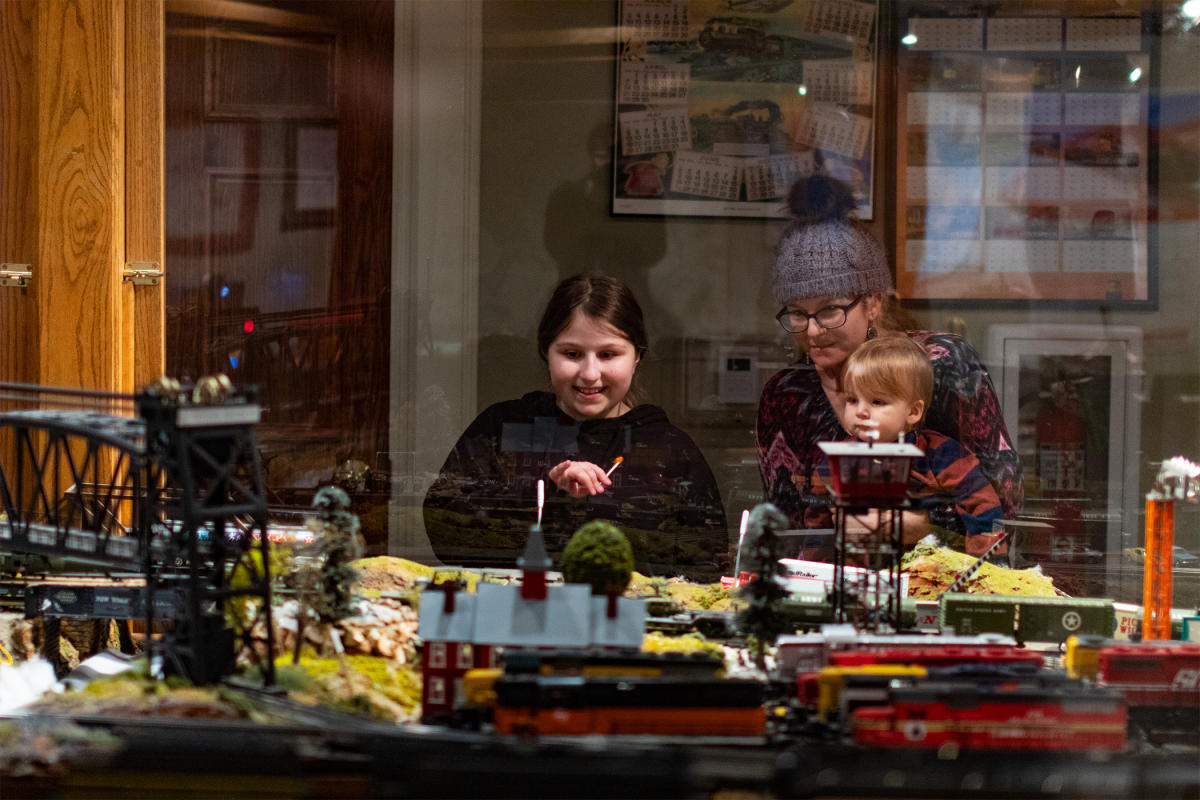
(18, 186)
(81, 190)
(18, 198)
(80, 177)
(66, 195)
(144, 236)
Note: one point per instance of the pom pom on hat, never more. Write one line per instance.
(825, 253)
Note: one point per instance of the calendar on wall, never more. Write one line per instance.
(722, 104)
(1024, 154)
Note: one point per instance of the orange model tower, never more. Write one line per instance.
(1177, 480)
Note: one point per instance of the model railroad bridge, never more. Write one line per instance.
(165, 485)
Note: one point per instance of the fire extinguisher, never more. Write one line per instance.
(1061, 456)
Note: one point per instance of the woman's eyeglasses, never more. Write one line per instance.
(795, 321)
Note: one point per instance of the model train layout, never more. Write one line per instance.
(977, 692)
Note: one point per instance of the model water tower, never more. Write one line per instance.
(867, 478)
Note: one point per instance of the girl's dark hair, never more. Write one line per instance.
(599, 297)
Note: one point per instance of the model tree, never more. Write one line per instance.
(763, 618)
(600, 556)
(324, 588)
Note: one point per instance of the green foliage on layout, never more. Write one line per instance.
(330, 594)
(600, 556)
(324, 586)
(242, 611)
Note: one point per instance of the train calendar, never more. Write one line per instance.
(722, 104)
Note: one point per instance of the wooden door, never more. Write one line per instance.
(80, 191)
(278, 219)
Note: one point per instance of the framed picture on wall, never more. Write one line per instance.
(722, 104)
(310, 188)
(1025, 155)
(1071, 401)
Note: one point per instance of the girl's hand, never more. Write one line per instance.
(580, 478)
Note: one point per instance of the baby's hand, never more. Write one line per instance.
(867, 431)
(580, 478)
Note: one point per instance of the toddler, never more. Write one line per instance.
(887, 385)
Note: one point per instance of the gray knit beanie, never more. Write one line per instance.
(824, 253)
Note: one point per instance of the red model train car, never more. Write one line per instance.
(936, 714)
(1150, 674)
(943, 656)
(1159, 680)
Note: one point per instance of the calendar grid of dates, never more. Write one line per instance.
(1023, 157)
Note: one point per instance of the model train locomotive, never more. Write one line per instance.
(857, 676)
(552, 693)
(1159, 681)
(1008, 713)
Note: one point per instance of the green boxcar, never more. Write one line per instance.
(1053, 619)
(968, 614)
(1028, 619)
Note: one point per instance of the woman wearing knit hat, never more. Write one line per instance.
(833, 283)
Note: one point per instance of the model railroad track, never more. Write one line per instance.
(304, 715)
(325, 753)
(842, 771)
(241, 759)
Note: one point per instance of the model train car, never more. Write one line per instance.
(854, 677)
(938, 714)
(809, 652)
(571, 694)
(940, 655)
(1160, 681)
(579, 705)
(836, 691)
(1027, 619)
(608, 663)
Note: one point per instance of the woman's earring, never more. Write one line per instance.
(871, 332)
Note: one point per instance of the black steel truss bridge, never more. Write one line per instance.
(167, 483)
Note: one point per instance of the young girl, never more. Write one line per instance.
(662, 493)
(886, 387)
